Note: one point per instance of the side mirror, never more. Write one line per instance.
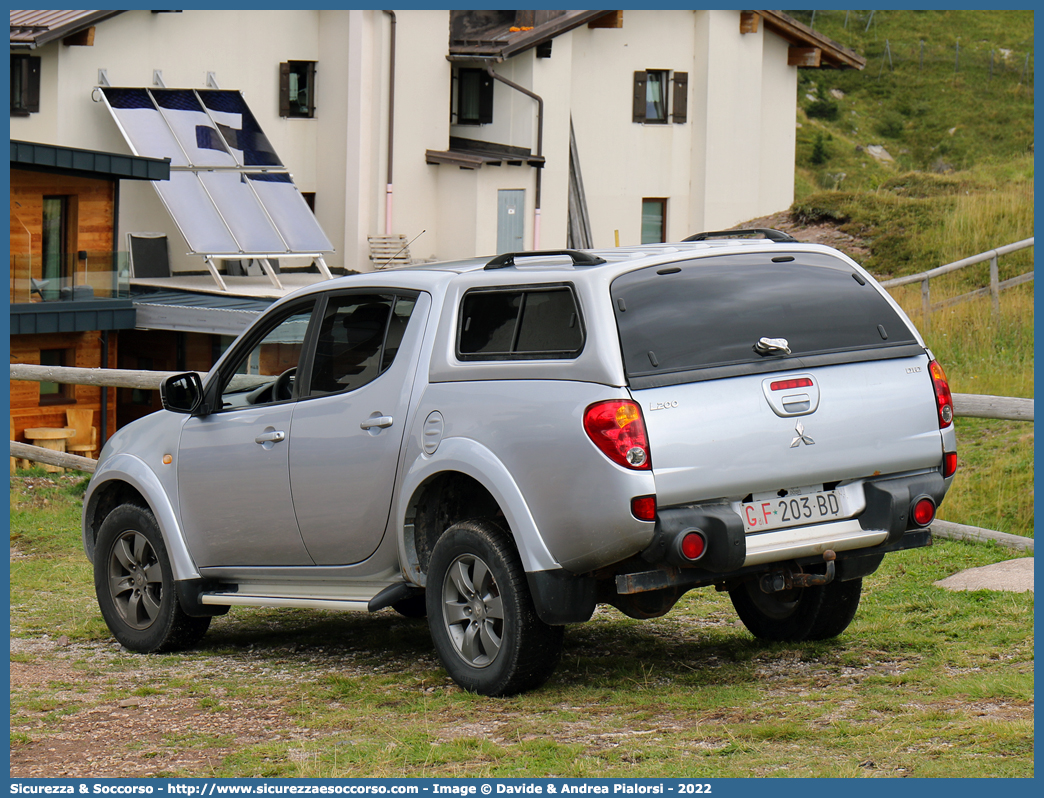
(183, 393)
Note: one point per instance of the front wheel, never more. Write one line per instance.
(135, 585)
(481, 615)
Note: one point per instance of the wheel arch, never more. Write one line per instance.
(462, 480)
(125, 479)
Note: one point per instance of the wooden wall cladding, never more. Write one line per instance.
(25, 396)
(94, 204)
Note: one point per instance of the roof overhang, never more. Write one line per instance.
(32, 29)
(77, 316)
(185, 311)
(469, 154)
(826, 52)
(503, 40)
(87, 163)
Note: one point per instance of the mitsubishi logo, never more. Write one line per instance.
(801, 438)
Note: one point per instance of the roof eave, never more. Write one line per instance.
(526, 40)
(52, 34)
(833, 54)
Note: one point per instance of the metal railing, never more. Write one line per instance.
(995, 287)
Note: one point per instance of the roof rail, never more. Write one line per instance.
(772, 235)
(579, 258)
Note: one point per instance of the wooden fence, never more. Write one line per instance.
(993, 290)
(966, 405)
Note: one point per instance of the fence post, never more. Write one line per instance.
(995, 285)
(926, 304)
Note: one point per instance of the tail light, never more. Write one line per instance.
(923, 511)
(943, 398)
(949, 464)
(617, 428)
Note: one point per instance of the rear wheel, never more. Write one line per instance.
(840, 602)
(481, 613)
(135, 585)
(786, 615)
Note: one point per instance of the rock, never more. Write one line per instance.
(837, 94)
(1012, 575)
(63, 640)
(130, 702)
(941, 167)
(879, 153)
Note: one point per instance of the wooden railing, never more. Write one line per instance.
(995, 287)
(966, 405)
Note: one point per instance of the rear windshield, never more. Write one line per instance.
(710, 313)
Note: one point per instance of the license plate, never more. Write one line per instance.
(780, 512)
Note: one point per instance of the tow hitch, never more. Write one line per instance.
(786, 579)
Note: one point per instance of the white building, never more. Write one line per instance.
(681, 121)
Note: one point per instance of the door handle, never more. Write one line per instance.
(377, 421)
(270, 437)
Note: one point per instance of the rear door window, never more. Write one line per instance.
(520, 323)
(702, 318)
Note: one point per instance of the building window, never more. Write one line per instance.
(25, 85)
(297, 89)
(57, 393)
(658, 90)
(54, 246)
(474, 97)
(654, 221)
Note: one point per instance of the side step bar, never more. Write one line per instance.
(356, 598)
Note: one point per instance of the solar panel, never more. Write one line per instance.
(229, 193)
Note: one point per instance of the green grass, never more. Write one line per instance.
(925, 682)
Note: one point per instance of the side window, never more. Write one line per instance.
(358, 339)
(297, 89)
(541, 323)
(474, 104)
(25, 84)
(264, 372)
(652, 92)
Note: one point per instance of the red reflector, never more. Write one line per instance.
(949, 464)
(924, 512)
(644, 508)
(789, 385)
(693, 546)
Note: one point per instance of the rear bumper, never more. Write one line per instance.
(885, 524)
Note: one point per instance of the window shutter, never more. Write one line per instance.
(284, 89)
(486, 100)
(681, 97)
(638, 109)
(311, 88)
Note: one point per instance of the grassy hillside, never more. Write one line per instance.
(925, 157)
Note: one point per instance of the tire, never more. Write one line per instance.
(412, 607)
(840, 602)
(788, 615)
(481, 615)
(135, 585)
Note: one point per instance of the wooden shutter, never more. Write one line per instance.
(284, 89)
(485, 99)
(680, 108)
(638, 108)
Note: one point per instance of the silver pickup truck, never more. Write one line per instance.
(502, 444)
